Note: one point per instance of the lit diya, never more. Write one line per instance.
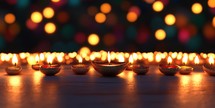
(210, 68)
(131, 61)
(15, 69)
(50, 69)
(140, 69)
(37, 65)
(185, 69)
(109, 69)
(169, 69)
(80, 68)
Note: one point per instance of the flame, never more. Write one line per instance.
(211, 60)
(109, 57)
(49, 59)
(37, 58)
(42, 57)
(80, 60)
(196, 60)
(158, 58)
(14, 60)
(131, 60)
(185, 59)
(59, 58)
(121, 58)
(169, 60)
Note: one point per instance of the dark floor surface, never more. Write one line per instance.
(34, 90)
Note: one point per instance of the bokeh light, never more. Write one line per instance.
(93, 39)
(157, 6)
(196, 8)
(170, 19)
(105, 8)
(100, 18)
(160, 34)
(55, 1)
(132, 16)
(50, 28)
(36, 17)
(10, 18)
(213, 21)
(109, 39)
(48, 12)
(211, 3)
(31, 25)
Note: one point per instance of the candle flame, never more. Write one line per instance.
(131, 60)
(37, 58)
(49, 59)
(158, 58)
(169, 60)
(211, 60)
(185, 59)
(196, 60)
(109, 57)
(80, 60)
(60, 58)
(14, 60)
(42, 57)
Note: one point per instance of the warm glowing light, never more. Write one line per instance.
(131, 60)
(213, 21)
(132, 16)
(157, 6)
(49, 59)
(50, 28)
(211, 3)
(196, 60)
(84, 51)
(36, 17)
(160, 34)
(158, 58)
(211, 60)
(60, 58)
(105, 8)
(185, 59)
(14, 60)
(37, 58)
(121, 58)
(55, 1)
(42, 57)
(170, 19)
(48, 12)
(169, 60)
(9, 18)
(100, 18)
(80, 60)
(93, 39)
(15, 81)
(196, 8)
(109, 57)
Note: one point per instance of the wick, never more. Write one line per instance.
(14, 64)
(37, 62)
(49, 64)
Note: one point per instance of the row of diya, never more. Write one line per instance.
(113, 68)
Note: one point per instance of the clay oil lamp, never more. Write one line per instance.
(109, 69)
(140, 68)
(80, 68)
(210, 68)
(50, 69)
(37, 65)
(15, 69)
(169, 69)
(184, 69)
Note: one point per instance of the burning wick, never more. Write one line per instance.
(169, 60)
(109, 58)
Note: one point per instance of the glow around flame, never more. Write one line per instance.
(80, 60)
(131, 60)
(196, 60)
(109, 57)
(37, 58)
(14, 59)
(121, 58)
(185, 59)
(211, 60)
(169, 60)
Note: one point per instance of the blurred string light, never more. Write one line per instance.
(132, 16)
(211, 3)
(10, 18)
(196, 8)
(160, 34)
(170, 19)
(50, 28)
(48, 12)
(100, 18)
(36, 17)
(93, 39)
(55, 1)
(105, 8)
(157, 6)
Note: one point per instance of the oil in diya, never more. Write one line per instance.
(209, 68)
(109, 69)
(184, 69)
(80, 68)
(50, 69)
(169, 69)
(37, 65)
(15, 69)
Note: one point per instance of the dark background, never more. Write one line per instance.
(72, 32)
